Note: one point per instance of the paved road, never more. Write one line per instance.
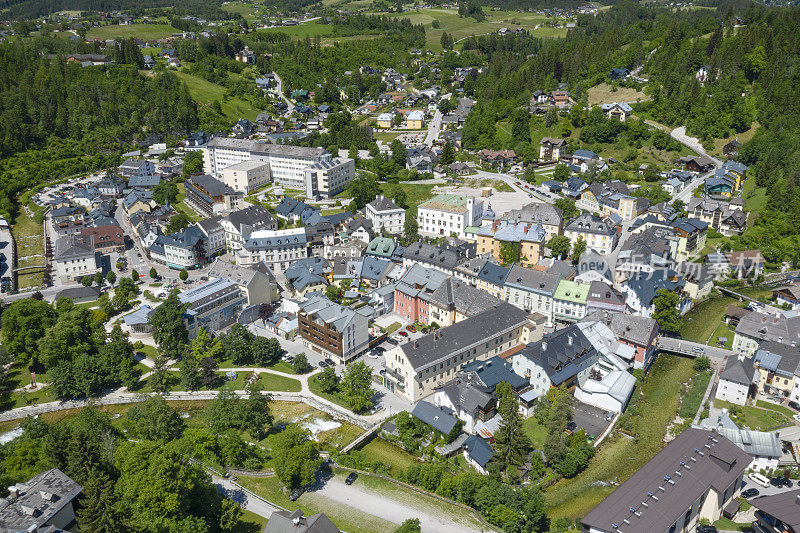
(434, 127)
(682, 345)
(279, 88)
(376, 504)
(233, 492)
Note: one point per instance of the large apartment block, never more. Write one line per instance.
(331, 330)
(313, 170)
(277, 248)
(447, 214)
(415, 369)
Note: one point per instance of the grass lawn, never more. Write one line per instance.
(393, 327)
(29, 248)
(756, 418)
(148, 351)
(691, 400)
(274, 382)
(605, 94)
(397, 459)
(316, 388)
(723, 330)
(741, 137)
(755, 199)
(205, 92)
(386, 136)
(180, 205)
(652, 408)
(497, 185)
(729, 525)
(306, 29)
(250, 522)
(700, 323)
(535, 431)
(461, 27)
(142, 31)
(775, 407)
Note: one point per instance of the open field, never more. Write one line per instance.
(461, 27)
(741, 137)
(654, 404)
(604, 94)
(702, 323)
(142, 31)
(301, 31)
(397, 459)
(755, 418)
(206, 92)
(28, 237)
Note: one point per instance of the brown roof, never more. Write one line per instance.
(734, 311)
(105, 235)
(659, 493)
(784, 506)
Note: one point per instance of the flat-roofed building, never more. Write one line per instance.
(246, 176)
(213, 305)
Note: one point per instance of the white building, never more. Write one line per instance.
(599, 234)
(447, 214)
(277, 248)
(385, 214)
(735, 381)
(246, 176)
(75, 257)
(313, 170)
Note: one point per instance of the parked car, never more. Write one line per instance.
(572, 426)
(758, 479)
(373, 355)
(330, 361)
(402, 333)
(351, 478)
(296, 493)
(411, 328)
(794, 405)
(796, 417)
(705, 529)
(750, 493)
(776, 482)
(379, 350)
(323, 364)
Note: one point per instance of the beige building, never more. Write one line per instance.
(512, 242)
(246, 176)
(414, 369)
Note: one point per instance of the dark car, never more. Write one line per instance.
(330, 362)
(296, 493)
(705, 529)
(783, 481)
(572, 426)
(378, 349)
(775, 482)
(794, 405)
(323, 364)
(351, 478)
(750, 493)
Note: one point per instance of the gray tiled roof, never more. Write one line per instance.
(74, 246)
(713, 462)
(432, 255)
(381, 203)
(463, 298)
(560, 353)
(295, 522)
(255, 216)
(738, 371)
(588, 223)
(459, 336)
(439, 418)
(532, 280)
(539, 213)
(478, 449)
(767, 327)
(39, 500)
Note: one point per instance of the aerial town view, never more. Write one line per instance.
(372, 266)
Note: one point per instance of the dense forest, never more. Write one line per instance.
(52, 110)
(30, 9)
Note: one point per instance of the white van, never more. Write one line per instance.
(755, 477)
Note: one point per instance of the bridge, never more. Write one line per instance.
(691, 348)
(361, 438)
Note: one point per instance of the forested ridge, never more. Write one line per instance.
(57, 118)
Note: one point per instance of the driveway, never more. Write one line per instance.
(356, 495)
(434, 127)
(245, 501)
(590, 418)
(679, 134)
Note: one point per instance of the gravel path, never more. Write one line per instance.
(389, 509)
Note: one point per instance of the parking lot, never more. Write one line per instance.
(592, 419)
